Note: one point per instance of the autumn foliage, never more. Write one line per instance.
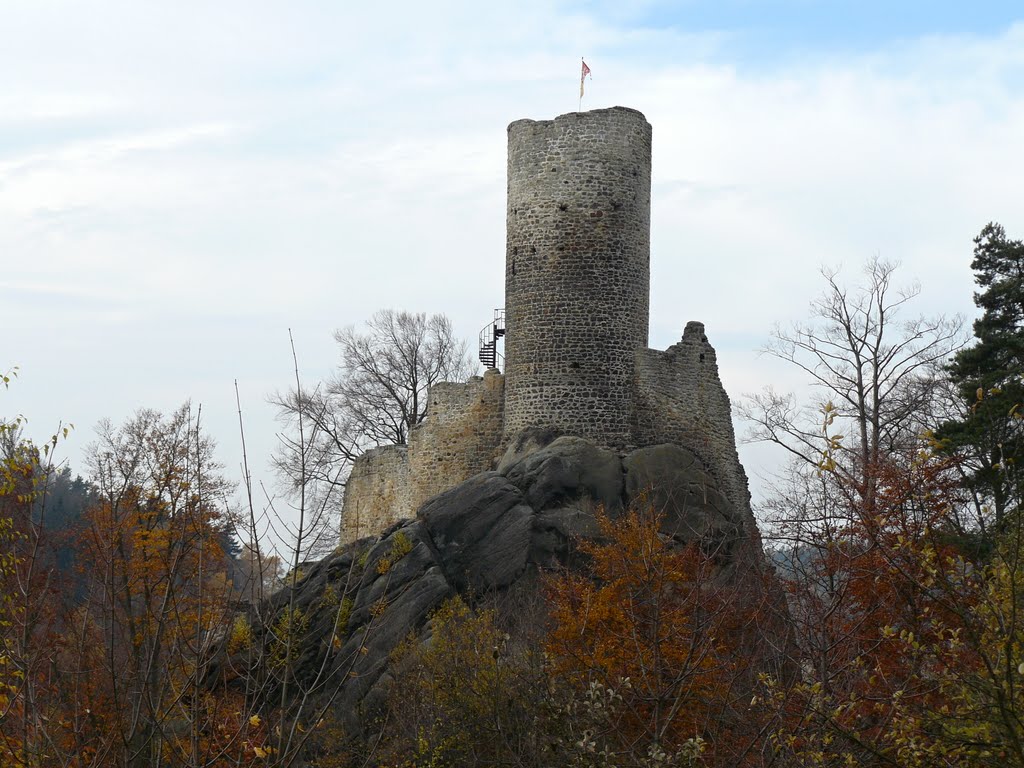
(102, 661)
(907, 641)
(665, 626)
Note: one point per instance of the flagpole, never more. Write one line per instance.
(580, 107)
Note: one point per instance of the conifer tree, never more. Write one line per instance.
(989, 376)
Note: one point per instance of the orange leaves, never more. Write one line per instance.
(654, 614)
(887, 604)
(639, 605)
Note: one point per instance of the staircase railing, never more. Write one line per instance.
(489, 336)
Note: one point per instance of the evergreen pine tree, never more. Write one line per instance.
(989, 376)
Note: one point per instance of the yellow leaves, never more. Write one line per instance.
(329, 598)
(827, 463)
(261, 751)
(464, 676)
(363, 557)
(833, 443)
(378, 608)
(344, 614)
(240, 637)
(401, 545)
(289, 633)
(5, 378)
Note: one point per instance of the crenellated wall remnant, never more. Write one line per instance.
(679, 399)
(378, 492)
(460, 436)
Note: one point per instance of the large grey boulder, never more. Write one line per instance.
(394, 564)
(524, 443)
(555, 534)
(567, 472)
(481, 530)
(674, 482)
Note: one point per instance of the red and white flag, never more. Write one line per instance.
(583, 74)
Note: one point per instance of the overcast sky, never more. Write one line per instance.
(181, 183)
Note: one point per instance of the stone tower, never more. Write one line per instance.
(577, 271)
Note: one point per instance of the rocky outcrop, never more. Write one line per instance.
(481, 532)
(486, 535)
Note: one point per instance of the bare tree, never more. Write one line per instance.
(386, 371)
(376, 396)
(876, 377)
(876, 380)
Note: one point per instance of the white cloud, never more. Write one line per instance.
(116, 171)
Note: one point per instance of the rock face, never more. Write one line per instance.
(488, 534)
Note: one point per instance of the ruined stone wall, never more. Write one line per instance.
(378, 493)
(459, 437)
(680, 399)
(676, 396)
(577, 271)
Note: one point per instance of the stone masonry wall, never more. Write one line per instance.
(680, 399)
(577, 271)
(459, 437)
(378, 493)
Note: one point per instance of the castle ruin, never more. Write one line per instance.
(577, 288)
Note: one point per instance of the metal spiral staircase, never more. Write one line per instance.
(489, 336)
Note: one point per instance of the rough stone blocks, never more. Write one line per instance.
(577, 271)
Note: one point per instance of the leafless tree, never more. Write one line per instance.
(376, 396)
(386, 371)
(876, 382)
(876, 378)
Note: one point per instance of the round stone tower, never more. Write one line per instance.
(577, 271)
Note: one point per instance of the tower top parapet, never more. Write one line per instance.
(586, 115)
